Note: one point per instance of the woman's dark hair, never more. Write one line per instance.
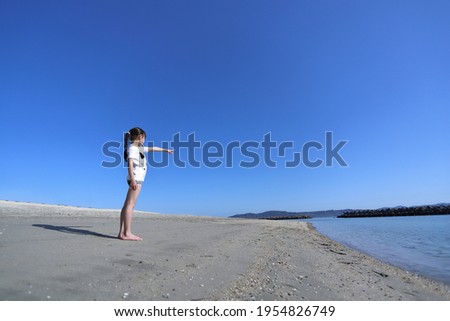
(131, 136)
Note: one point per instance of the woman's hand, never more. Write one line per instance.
(133, 185)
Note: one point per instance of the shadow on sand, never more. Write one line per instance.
(73, 230)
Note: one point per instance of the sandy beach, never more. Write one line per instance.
(50, 252)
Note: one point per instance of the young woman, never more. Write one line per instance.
(134, 154)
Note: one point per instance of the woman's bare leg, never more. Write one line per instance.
(126, 214)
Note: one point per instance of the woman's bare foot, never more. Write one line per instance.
(130, 237)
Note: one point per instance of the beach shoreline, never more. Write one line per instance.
(51, 252)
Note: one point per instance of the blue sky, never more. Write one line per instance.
(77, 74)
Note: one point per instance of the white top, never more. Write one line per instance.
(137, 156)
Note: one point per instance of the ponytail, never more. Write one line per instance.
(131, 136)
(126, 139)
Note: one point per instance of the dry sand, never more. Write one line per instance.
(68, 253)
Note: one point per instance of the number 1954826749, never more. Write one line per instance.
(295, 311)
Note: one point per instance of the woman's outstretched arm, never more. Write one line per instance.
(159, 149)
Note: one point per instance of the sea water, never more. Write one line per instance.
(420, 244)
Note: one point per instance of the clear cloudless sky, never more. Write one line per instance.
(77, 74)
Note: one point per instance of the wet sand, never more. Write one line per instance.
(67, 253)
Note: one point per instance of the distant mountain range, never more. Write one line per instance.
(274, 214)
(285, 214)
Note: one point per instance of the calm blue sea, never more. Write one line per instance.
(419, 244)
